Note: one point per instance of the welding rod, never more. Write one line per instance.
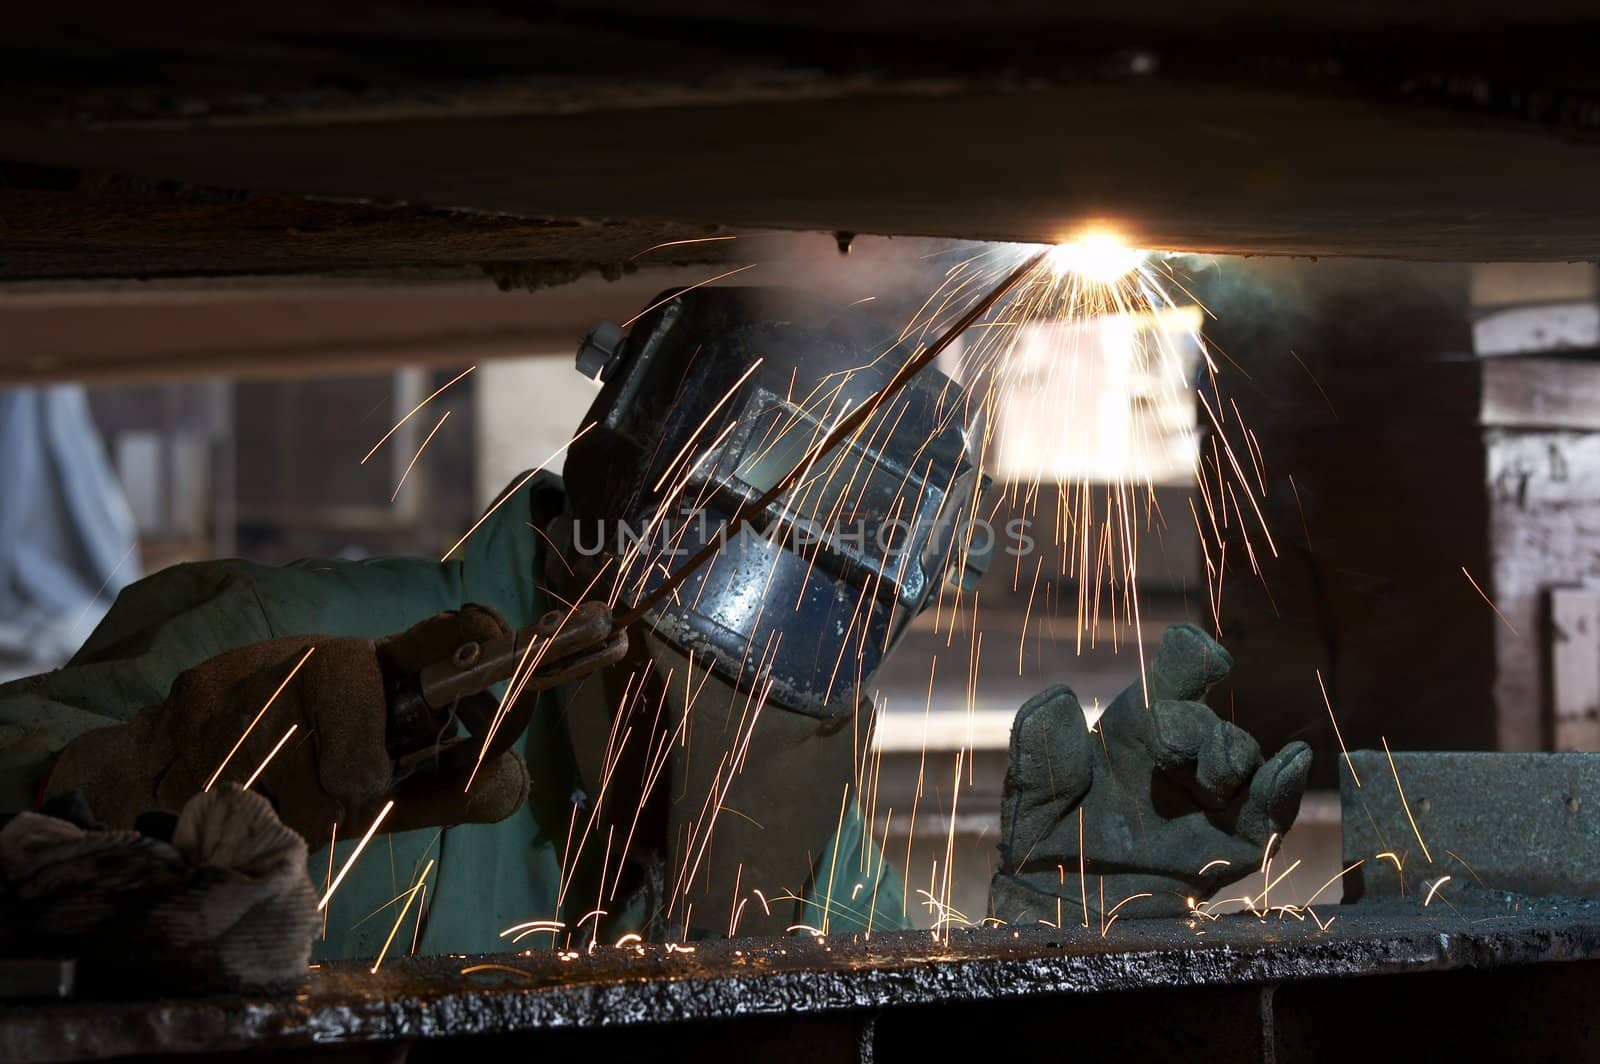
(743, 514)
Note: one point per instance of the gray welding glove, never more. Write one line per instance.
(335, 768)
(1168, 799)
(223, 905)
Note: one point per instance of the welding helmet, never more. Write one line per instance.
(711, 397)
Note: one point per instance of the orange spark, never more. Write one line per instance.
(471, 968)
(679, 243)
(414, 409)
(261, 713)
(411, 897)
(1403, 803)
(681, 291)
(350, 861)
(267, 760)
(1336, 733)
(414, 458)
(1334, 879)
(1489, 600)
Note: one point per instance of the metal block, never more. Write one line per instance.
(1521, 822)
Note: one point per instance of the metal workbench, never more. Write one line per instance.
(1486, 974)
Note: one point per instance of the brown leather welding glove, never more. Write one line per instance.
(334, 769)
(1175, 802)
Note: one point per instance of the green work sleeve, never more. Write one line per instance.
(853, 888)
(182, 616)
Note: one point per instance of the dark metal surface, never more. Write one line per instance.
(37, 978)
(1527, 822)
(732, 983)
(1373, 128)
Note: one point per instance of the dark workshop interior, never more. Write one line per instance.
(738, 530)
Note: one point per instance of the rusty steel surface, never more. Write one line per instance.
(427, 998)
(1527, 822)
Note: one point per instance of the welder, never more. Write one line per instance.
(637, 778)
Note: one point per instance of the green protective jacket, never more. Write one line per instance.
(488, 876)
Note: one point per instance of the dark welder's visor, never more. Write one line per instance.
(867, 506)
(711, 401)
